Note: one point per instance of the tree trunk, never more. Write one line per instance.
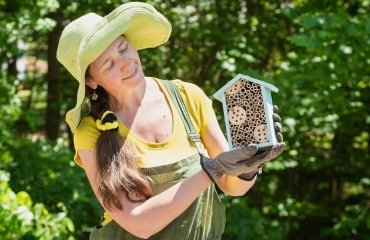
(12, 67)
(53, 117)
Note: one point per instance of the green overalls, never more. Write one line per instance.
(205, 217)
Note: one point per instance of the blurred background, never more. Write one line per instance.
(315, 51)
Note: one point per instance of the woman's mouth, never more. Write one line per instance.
(132, 74)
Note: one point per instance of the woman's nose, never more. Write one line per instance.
(123, 61)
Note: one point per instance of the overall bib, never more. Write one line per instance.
(204, 219)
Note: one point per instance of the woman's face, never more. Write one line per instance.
(117, 67)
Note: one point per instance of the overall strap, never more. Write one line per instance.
(175, 95)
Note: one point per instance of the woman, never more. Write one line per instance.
(150, 178)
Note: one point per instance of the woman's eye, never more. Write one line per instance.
(109, 67)
(122, 49)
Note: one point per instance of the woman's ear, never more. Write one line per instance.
(91, 83)
(89, 80)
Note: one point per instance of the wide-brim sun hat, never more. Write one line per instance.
(84, 39)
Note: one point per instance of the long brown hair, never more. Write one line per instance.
(117, 170)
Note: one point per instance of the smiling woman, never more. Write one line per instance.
(141, 145)
(117, 69)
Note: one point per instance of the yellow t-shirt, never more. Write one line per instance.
(150, 154)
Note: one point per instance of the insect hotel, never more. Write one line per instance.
(248, 110)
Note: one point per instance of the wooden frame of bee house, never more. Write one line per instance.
(248, 109)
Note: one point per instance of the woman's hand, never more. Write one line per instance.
(239, 161)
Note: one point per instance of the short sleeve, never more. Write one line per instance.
(85, 137)
(198, 105)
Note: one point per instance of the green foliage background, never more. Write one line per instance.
(316, 52)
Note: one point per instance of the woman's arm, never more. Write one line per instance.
(147, 218)
(215, 143)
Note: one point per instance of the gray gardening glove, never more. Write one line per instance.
(238, 161)
(277, 125)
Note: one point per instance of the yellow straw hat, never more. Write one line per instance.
(84, 39)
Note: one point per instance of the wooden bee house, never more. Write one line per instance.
(248, 110)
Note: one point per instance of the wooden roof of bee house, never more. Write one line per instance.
(218, 95)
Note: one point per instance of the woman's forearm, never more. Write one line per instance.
(147, 218)
(234, 186)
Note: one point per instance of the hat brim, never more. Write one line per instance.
(139, 23)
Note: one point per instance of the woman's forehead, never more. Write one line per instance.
(106, 53)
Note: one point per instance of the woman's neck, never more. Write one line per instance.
(130, 98)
